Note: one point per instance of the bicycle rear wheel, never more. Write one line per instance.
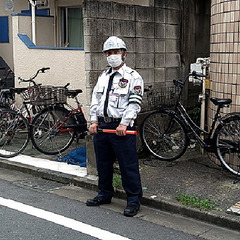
(164, 135)
(227, 138)
(14, 133)
(46, 131)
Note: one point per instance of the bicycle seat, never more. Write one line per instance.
(19, 90)
(220, 101)
(6, 91)
(73, 93)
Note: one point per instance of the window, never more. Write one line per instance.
(71, 27)
(4, 32)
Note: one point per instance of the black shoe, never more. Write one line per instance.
(131, 211)
(97, 201)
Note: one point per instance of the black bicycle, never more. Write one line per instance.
(165, 132)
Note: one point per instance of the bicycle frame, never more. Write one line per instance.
(181, 111)
(189, 123)
(68, 127)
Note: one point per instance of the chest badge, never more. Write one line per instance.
(122, 83)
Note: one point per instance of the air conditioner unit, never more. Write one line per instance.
(42, 4)
(9, 5)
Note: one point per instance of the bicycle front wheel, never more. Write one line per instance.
(164, 135)
(227, 137)
(14, 133)
(46, 131)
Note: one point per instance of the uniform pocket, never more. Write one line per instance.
(122, 100)
(99, 93)
(113, 100)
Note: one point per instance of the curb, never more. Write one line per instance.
(218, 218)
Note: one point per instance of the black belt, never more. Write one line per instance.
(108, 119)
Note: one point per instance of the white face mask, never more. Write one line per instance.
(114, 60)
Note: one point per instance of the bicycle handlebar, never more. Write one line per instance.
(31, 78)
(195, 74)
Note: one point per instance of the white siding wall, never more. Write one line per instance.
(65, 65)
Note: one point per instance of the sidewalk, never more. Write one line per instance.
(193, 174)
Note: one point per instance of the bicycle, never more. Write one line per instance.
(14, 120)
(164, 132)
(6, 93)
(54, 128)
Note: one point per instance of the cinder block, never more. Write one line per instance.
(144, 45)
(173, 60)
(160, 15)
(144, 29)
(92, 77)
(144, 60)
(159, 75)
(95, 61)
(97, 9)
(98, 27)
(131, 60)
(91, 159)
(94, 43)
(124, 28)
(123, 12)
(144, 14)
(147, 75)
(160, 60)
(172, 4)
(160, 45)
(160, 30)
(172, 45)
(173, 16)
(131, 44)
(173, 31)
(105, 9)
(172, 73)
(89, 8)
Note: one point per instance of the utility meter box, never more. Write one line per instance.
(201, 65)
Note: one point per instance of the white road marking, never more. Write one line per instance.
(61, 220)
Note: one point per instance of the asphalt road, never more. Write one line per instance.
(35, 208)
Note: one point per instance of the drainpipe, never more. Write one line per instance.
(33, 4)
(205, 65)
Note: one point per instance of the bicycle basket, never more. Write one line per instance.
(164, 97)
(47, 95)
(25, 95)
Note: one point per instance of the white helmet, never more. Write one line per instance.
(114, 42)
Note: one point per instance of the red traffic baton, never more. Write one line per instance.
(114, 131)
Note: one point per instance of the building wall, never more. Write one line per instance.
(44, 29)
(225, 53)
(6, 48)
(66, 65)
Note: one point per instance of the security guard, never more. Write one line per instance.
(115, 104)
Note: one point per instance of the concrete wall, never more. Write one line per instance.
(195, 40)
(152, 35)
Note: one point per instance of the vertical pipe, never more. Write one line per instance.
(33, 5)
(33, 24)
(203, 104)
